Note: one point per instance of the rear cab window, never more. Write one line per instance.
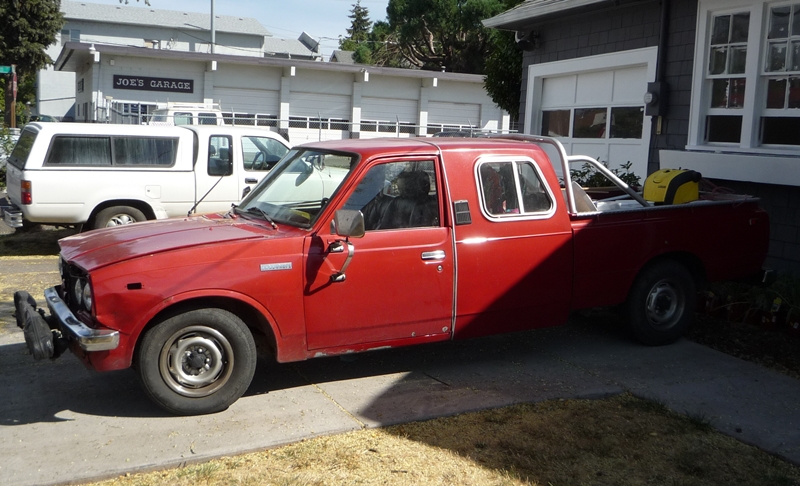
(513, 188)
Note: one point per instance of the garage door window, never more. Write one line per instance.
(625, 122)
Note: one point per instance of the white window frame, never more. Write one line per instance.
(744, 161)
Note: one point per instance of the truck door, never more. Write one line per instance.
(259, 156)
(399, 284)
(514, 252)
(215, 176)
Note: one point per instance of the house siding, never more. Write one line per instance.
(636, 25)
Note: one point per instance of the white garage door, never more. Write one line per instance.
(595, 106)
(454, 114)
(318, 116)
(248, 100)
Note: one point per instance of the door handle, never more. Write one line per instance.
(250, 180)
(433, 255)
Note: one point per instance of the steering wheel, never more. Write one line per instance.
(260, 161)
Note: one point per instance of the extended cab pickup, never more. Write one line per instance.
(106, 175)
(356, 245)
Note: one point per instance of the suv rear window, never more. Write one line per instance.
(22, 149)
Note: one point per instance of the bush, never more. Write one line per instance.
(588, 176)
(7, 142)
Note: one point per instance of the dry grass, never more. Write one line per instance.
(616, 441)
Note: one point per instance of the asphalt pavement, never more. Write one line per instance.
(61, 423)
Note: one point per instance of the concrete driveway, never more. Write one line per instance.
(61, 423)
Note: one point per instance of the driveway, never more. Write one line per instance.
(62, 423)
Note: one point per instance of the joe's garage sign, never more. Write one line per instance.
(142, 83)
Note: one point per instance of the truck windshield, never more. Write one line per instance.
(299, 186)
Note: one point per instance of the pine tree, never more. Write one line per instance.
(359, 30)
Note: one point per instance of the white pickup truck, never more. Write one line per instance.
(106, 175)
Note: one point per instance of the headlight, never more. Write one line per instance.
(87, 297)
(77, 291)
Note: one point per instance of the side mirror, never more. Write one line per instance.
(349, 223)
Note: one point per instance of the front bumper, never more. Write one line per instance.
(45, 336)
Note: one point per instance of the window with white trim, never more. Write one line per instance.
(748, 97)
(780, 120)
(727, 62)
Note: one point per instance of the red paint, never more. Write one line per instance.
(496, 276)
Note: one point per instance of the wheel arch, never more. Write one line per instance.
(689, 260)
(142, 206)
(259, 325)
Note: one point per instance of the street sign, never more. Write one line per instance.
(5, 70)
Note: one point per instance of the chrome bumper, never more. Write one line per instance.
(87, 338)
(12, 216)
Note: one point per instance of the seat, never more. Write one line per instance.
(583, 203)
(412, 208)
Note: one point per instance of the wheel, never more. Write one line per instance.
(197, 362)
(117, 216)
(661, 303)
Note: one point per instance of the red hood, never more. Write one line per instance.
(100, 248)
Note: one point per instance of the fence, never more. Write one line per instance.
(302, 129)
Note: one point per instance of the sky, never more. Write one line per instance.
(325, 20)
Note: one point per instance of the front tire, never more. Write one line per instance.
(117, 216)
(197, 362)
(660, 306)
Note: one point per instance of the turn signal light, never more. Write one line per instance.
(26, 192)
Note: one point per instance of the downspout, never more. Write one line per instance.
(659, 86)
(213, 30)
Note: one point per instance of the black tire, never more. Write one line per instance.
(660, 306)
(117, 216)
(197, 362)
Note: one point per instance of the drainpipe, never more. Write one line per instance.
(213, 30)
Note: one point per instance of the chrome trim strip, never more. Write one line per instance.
(88, 339)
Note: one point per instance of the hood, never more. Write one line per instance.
(100, 248)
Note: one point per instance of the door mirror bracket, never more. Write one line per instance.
(347, 223)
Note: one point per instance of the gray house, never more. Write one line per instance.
(711, 85)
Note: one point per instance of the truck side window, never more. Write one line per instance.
(182, 118)
(78, 150)
(261, 153)
(219, 156)
(397, 195)
(509, 188)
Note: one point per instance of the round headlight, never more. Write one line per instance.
(77, 291)
(87, 297)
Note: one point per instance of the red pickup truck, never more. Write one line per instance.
(355, 245)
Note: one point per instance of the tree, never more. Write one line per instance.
(359, 30)
(503, 69)
(443, 34)
(28, 27)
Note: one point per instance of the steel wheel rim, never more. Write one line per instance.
(664, 305)
(196, 361)
(120, 219)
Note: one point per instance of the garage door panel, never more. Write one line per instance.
(320, 104)
(248, 100)
(594, 88)
(559, 91)
(629, 85)
(454, 113)
(385, 109)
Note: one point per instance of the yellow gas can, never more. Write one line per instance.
(672, 186)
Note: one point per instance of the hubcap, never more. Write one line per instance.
(196, 361)
(120, 219)
(664, 305)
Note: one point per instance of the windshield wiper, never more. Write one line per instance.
(257, 211)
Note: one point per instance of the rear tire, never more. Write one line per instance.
(197, 362)
(117, 216)
(660, 306)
